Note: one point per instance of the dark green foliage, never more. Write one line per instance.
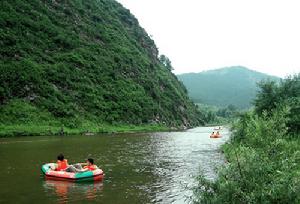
(294, 114)
(87, 60)
(272, 96)
(228, 112)
(267, 97)
(223, 87)
(19, 112)
(166, 62)
(216, 115)
(263, 154)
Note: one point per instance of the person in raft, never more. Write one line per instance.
(62, 165)
(212, 134)
(88, 166)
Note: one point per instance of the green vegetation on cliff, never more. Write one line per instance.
(223, 87)
(263, 154)
(84, 61)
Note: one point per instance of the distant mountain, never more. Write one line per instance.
(221, 87)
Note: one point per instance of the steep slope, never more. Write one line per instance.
(221, 87)
(84, 60)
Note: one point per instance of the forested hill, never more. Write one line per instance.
(221, 87)
(81, 60)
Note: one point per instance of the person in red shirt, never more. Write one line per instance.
(62, 163)
(90, 166)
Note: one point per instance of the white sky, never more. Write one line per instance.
(198, 35)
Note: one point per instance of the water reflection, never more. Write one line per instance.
(66, 191)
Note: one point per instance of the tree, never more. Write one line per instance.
(166, 62)
(267, 97)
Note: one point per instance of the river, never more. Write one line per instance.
(139, 167)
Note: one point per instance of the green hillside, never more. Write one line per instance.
(72, 62)
(222, 87)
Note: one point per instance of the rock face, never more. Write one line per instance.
(86, 59)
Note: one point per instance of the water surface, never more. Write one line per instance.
(139, 168)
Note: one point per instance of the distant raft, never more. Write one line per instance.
(95, 175)
(218, 128)
(215, 136)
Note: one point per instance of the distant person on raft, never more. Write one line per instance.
(215, 135)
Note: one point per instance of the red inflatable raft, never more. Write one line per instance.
(95, 175)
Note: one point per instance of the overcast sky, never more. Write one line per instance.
(198, 35)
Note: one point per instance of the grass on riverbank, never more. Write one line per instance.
(21, 119)
(263, 164)
(38, 130)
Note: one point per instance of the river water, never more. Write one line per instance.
(139, 167)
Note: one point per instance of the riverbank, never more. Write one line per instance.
(262, 164)
(86, 129)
